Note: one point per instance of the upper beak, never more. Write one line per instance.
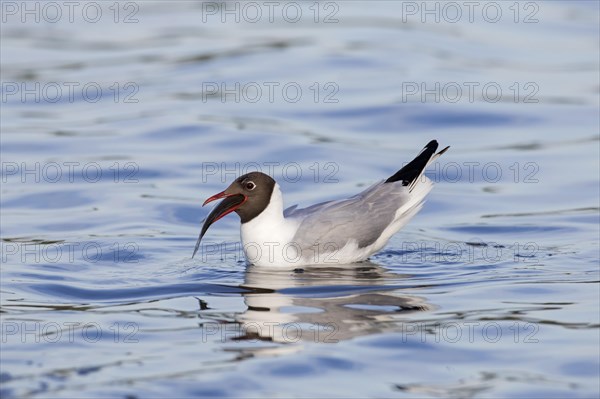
(230, 203)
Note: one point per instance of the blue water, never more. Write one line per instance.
(491, 291)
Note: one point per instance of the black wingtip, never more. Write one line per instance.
(443, 151)
(414, 168)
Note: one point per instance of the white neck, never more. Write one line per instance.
(265, 236)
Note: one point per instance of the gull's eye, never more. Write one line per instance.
(250, 186)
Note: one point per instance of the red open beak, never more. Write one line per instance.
(215, 197)
(230, 203)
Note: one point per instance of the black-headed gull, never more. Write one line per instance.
(333, 232)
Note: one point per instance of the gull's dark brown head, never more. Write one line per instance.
(247, 196)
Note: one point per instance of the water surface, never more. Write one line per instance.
(491, 291)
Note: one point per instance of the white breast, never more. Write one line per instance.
(267, 238)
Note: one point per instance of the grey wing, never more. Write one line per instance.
(294, 212)
(362, 217)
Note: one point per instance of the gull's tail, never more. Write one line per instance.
(411, 172)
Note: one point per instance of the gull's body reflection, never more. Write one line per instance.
(321, 304)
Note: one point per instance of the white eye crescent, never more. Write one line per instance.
(250, 185)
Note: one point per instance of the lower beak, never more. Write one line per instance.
(230, 203)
